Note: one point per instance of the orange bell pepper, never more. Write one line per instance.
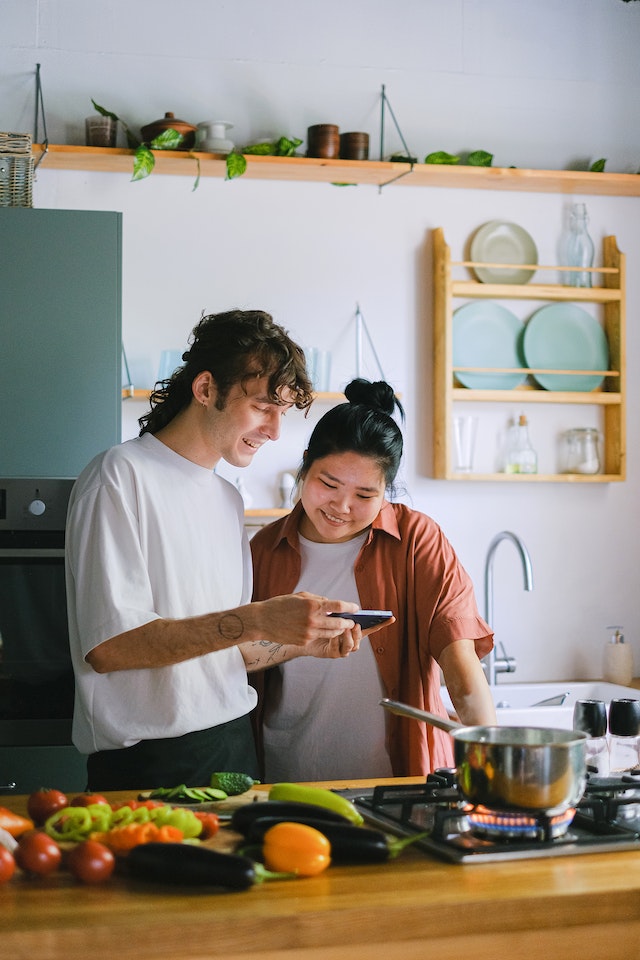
(296, 848)
(13, 823)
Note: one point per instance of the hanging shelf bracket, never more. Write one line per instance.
(362, 328)
(386, 105)
(40, 111)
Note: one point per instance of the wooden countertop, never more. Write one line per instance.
(412, 908)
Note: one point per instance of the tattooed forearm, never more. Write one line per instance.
(230, 626)
(263, 653)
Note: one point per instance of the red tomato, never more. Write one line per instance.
(91, 862)
(38, 853)
(210, 824)
(86, 799)
(44, 802)
(7, 864)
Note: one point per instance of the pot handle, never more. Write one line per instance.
(404, 710)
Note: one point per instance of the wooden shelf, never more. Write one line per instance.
(611, 397)
(372, 172)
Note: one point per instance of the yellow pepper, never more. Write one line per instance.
(296, 848)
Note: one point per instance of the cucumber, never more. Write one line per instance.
(233, 784)
(185, 794)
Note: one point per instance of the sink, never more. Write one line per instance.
(515, 701)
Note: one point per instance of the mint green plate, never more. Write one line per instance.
(563, 336)
(486, 334)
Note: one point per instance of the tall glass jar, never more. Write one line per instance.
(580, 249)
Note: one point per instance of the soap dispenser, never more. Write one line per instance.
(618, 659)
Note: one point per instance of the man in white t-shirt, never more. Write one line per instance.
(159, 571)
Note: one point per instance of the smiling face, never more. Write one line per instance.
(248, 419)
(341, 495)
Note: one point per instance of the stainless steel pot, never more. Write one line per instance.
(506, 768)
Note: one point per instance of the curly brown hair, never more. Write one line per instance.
(234, 347)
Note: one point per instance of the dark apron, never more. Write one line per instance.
(190, 759)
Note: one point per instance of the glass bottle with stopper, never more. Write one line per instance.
(521, 457)
(580, 249)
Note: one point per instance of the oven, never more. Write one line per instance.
(36, 675)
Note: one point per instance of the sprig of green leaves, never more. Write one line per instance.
(143, 159)
(441, 156)
(283, 147)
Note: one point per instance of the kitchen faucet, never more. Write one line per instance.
(505, 663)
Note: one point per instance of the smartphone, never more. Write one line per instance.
(366, 618)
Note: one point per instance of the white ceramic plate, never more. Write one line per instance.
(563, 336)
(486, 334)
(500, 241)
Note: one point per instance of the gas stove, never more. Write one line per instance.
(606, 819)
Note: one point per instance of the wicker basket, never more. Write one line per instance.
(16, 170)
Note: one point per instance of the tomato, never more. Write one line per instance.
(44, 802)
(7, 865)
(37, 853)
(86, 799)
(210, 824)
(91, 862)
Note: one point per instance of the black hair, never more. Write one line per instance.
(235, 346)
(363, 425)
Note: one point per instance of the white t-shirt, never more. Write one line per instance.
(323, 720)
(149, 535)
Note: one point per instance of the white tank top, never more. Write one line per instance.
(323, 719)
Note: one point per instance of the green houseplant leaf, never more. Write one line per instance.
(259, 150)
(441, 156)
(286, 147)
(167, 140)
(143, 162)
(236, 165)
(480, 158)
(598, 166)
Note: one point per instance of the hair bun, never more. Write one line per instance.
(378, 395)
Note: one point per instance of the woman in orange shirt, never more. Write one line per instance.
(320, 719)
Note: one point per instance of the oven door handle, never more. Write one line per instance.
(31, 553)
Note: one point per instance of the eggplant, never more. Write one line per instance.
(243, 816)
(349, 843)
(188, 865)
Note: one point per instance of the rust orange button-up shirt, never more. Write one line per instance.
(406, 565)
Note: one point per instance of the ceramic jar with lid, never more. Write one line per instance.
(170, 122)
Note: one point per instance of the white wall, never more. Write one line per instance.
(542, 84)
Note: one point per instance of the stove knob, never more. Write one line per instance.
(36, 508)
(444, 776)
